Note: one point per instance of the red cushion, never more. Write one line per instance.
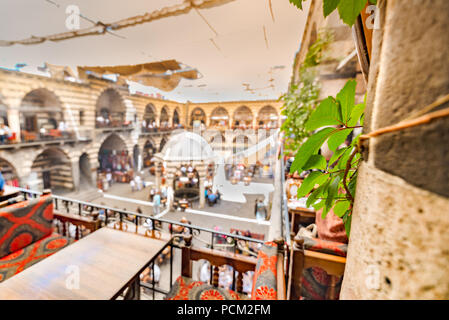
(324, 246)
(24, 223)
(264, 282)
(187, 289)
(21, 259)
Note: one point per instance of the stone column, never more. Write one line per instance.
(158, 172)
(202, 172)
(398, 246)
(170, 176)
(14, 122)
(76, 175)
(254, 122)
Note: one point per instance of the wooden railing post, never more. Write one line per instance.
(296, 269)
(186, 264)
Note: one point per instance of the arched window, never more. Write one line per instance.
(197, 117)
(40, 115)
(219, 118)
(54, 169)
(110, 110)
(149, 118)
(176, 121)
(243, 118)
(165, 118)
(267, 118)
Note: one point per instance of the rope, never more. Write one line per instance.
(101, 28)
(418, 119)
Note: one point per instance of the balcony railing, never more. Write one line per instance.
(126, 220)
(29, 139)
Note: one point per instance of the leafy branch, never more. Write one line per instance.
(331, 184)
(348, 10)
(302, 97)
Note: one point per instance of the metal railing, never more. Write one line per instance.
(232, 242)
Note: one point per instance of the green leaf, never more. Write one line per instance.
(326, 114)
(338, 138)
(344, 160)
(312, 179)
(356, 114)
(349, 10)
(332, 191)
(319, 205)
(336, 155)
(329, 6)
(297, 3)
(347, 219)
(352, 184)
(346, 97)
(316, 161)
(315, 194)
(311, 146)
(341, 207)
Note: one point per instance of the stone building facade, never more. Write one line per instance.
(27, 99)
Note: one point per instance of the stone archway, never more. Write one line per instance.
(149, 122)
(162, 144)
(137, 159)
(110, 110)
(41, 113)
(268, 118)
(3, 112)
(243, 118)
(240, 143)
(176, 118)
(52, 169)
(85, 170)
(197, 117)
(9, 173)
(149, 150)
(219, 118)
(164, 121)
(112, 148)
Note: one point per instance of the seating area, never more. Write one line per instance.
(33, 230)
(268, 280)
(27, 235)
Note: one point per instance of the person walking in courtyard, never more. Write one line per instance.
(157, 203)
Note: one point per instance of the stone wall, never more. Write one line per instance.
(78, 103)
(399, 245)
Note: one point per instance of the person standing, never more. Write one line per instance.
(157, 203)
(5, 132)
(109, 178)
(2, 184)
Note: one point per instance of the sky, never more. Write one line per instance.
(237, 58)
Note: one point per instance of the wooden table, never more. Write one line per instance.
(109, 260)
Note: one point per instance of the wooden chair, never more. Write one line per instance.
(238, 262)
(301, 259)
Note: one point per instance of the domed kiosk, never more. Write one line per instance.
(185, 149)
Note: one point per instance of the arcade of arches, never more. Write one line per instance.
(66, 133)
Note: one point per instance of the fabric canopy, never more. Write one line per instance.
(164, 75)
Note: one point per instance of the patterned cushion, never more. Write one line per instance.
(324, 246)
(24, 223)
(21, 259)
(264, 282)
(187, 289)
